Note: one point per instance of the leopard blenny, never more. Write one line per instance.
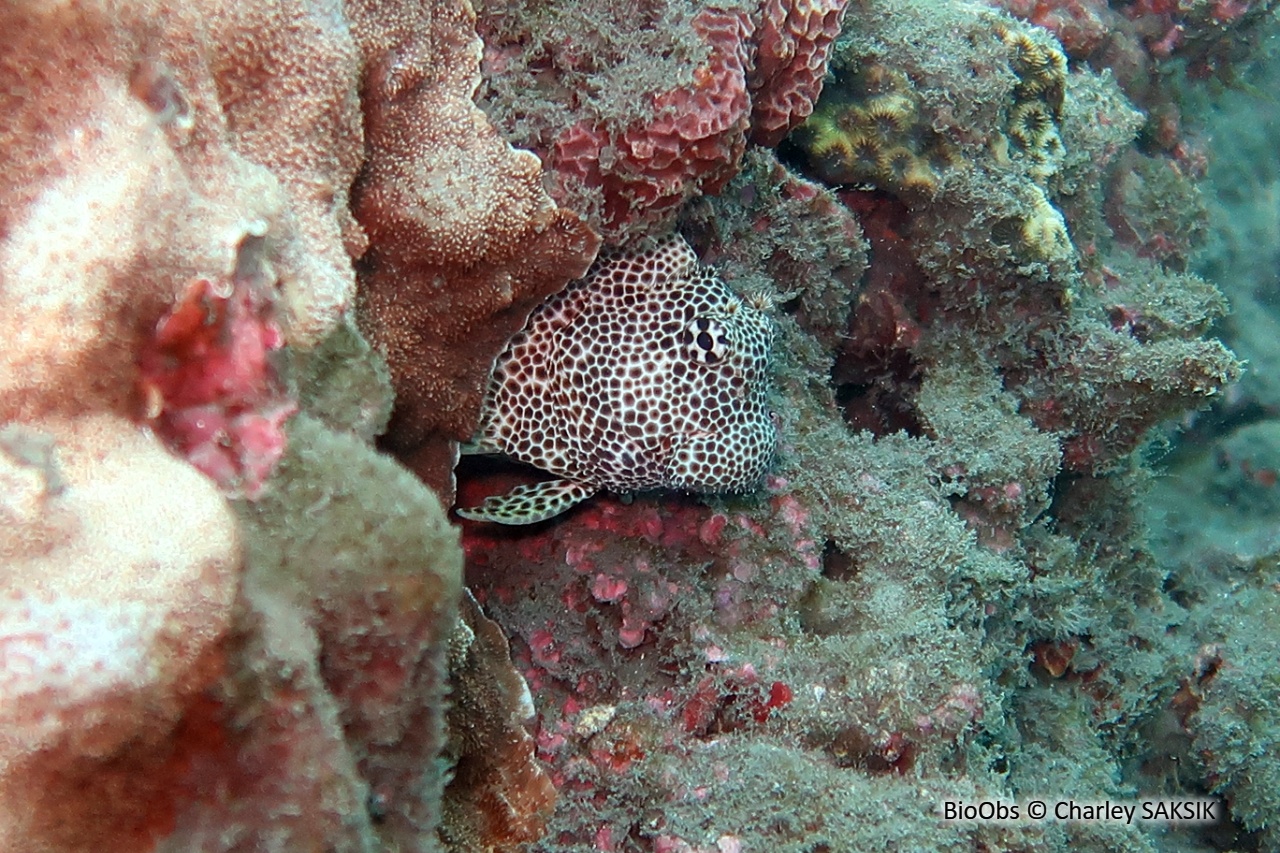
(647, 373)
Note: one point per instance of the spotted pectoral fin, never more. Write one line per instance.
(478, 446)
(531, 503)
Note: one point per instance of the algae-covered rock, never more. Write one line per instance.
(1235, 725)
(356, 545)
(345, 383)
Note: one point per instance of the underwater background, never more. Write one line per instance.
(1018, 545)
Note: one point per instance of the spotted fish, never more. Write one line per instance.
(647, 373)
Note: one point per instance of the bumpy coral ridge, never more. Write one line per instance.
(445, 198)
(637, 118)
(793, 42)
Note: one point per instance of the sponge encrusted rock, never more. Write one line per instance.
(464, 240)
(121, 563)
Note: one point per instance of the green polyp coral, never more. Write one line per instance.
(1035, 116)
(953, 109)
(872, 130)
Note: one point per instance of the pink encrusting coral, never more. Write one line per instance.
(657, 115)
(209, 388)
(793, 43)
(690, 144)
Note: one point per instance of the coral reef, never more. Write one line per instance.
(637, 118)
(98, 676)
(187, 153)
(945, 590)
(1209, 35)
(198, 651)
(1152, 45)
(889, 124)
(1227, 704)
(690, 144)
(374, 578)
(232, 623)
(444, 198)
(208, 690)
(1215, 506)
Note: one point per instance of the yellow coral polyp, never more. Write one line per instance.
(889, 115)
(824, 139)
(821, 132)
(875, 134)
(1026, 55)
(1044, 231)
(1029, 123)
(1043, 165)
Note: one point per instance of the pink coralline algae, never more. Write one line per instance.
(208, 385)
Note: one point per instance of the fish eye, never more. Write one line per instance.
(705, 341)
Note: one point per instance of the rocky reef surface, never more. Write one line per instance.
(256, 263)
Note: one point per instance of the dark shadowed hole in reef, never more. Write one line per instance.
(877, 396)
(837, 565)
(875, 381)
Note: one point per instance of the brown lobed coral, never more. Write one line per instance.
(464, 242)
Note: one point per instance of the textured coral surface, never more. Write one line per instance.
(242, 243)
(639, 117)
(176, 228)
(120, 566)
(464, 241)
